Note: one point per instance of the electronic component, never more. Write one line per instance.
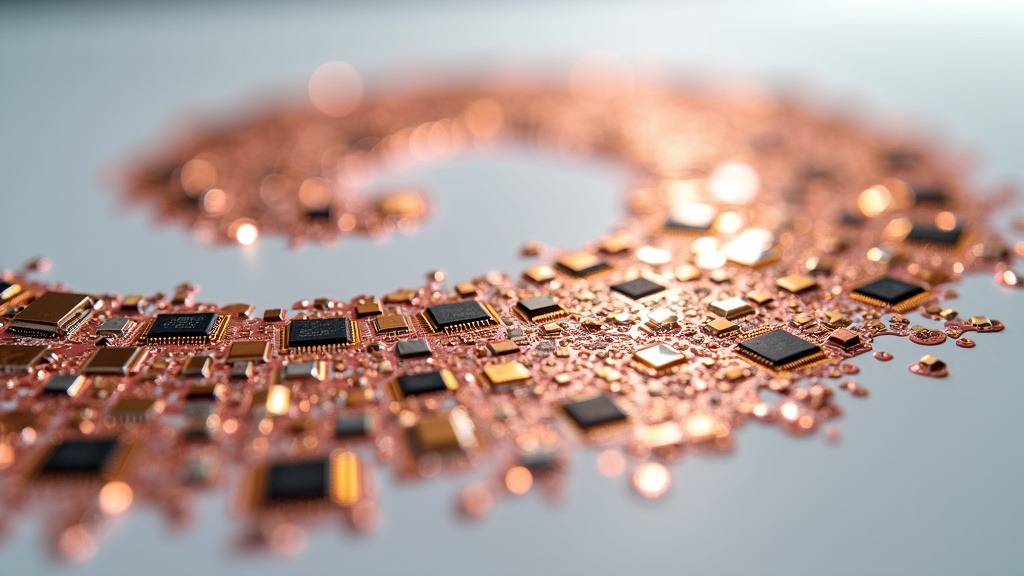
(8, 290)
(691, 217)
(453, 432)
(114, 360)
(423, 383)
(932, 234)
(458, 316)
(506, 373)
(198, 366)
(796, 283)
(592, 412)
(302, 370)
(731, 308)
(412, 348)
(392, 324)
(320, 333)
(539, 309)
(581, 264)
(353, 425)
(465, 289)
(137, 409)
(638, 288)
(891, 293)
(662, 319)
(274, 315)
(116, 327)
(336, 480)
(371, 308)
(503, 347)
(844, 339)
(759, 297)
(91, 457)
(274, 401)
(254, 350)
(540, 274)
(721, 327)
(659, 357)
(21, 357)
(780, 351)
(185, 328)
(53, 314)
(64, 384)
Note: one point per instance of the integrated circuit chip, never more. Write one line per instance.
(506, 373)
(593, 412)
(453, 432)
(53, 314)
(64, 384)
(254, 350)
(391, 324)
(424, 383)
(454, 316)
(781, 351)
(638, 288)
(184, 328)
(353, 425)
(539, 309)
(931, 234)
(412, 348)
(581, 264)
(80, 457)
(116, 327)
(21, 357)
(321, 333)
(115, 360)
(298, 481)
(890, 292)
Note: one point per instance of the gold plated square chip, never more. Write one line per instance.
(115, 360)
(796, 283)
(659, 357)
(391, 324)
(506, 373)
(722, 327)
(731, 308)
(255, 350)
(503, 347)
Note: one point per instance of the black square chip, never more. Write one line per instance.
(887, 291)
(638, 288)
(188, 326)
(458, 315)
(779, 348)
(353, 425)
(539, 308)
(413, 348)
(317, 332)
(594, 411)
(426, 382)
(298, 481)
(929, 234)
(80, 457)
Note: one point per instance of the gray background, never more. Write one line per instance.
(927, 477)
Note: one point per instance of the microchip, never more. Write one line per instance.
(21, 358)
(721, 327)
(321, 333)
(353, 425)
(593, 412)
(503, 347)
(391, 324)
(443, 433)
(424, 383)
(115, 360)
(368, 309)
(796, 283)
(255, 350)
(413, 348)
(890, 292)
(659, 357)
(53, 314)
(844, 339)
(303, 370)
(930, 234)
(638, 288)
(85, 457)
(780, 350)
(731, 308)
(185, 328)
(464, 315)
(582, 264)
(539, 309)
(506, 373)
(930, 195)
(64, 384)
(298, 481)
(197, 367)
(117, 327)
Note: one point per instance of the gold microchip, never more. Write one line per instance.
(135, 408)
(835, 319)
(582, 264)
(731, 308)
(119, 360)
(506, 373)
(132, 303)
(53, 314)
(273, 315)
(443, 433)
(796, 283)
(801, 319)
(197, 367)
(243, 310)
(21, 358)
(551, 328)
(540, 274)
(981, 321)
(721, 327)
(368, 309)
(392, 324)
(466, 289)
(760, 297)
(255, 350)
(659, 357)
(503, 347)
(400, 297)
(275, 400)
(616, 243)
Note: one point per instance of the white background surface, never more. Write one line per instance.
(927, 478)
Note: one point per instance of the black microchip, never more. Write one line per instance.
(930, 195)
(413, 348)
(298, 481)
(888, 290)
(594, 411)
(191, 325)
(422, 383)
(353, 425)
(778, 348)
(80, 457)
(538, 306)
(458, 314)
(929, 234)
(319, 332)
(638, 288)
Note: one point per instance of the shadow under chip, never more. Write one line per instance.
(638, 288)
(86, 457)
(458, 315)
(188, 326)
(780, 349)
(887, 291)
(319, 332)
(298, 481)
(594, 411)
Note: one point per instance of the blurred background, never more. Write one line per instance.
(926, 479)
